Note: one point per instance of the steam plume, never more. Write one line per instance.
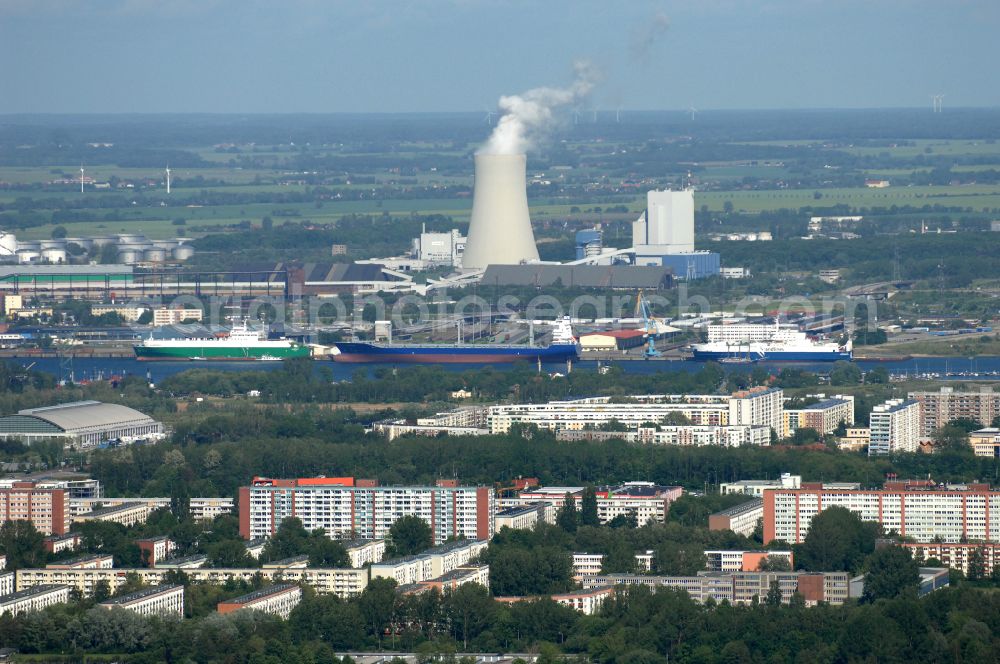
(645, 37)
(526, 117)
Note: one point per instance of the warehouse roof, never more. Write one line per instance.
(615, 334)
(584, 276)
(78, 415)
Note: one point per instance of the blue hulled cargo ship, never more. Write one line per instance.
(562, 348)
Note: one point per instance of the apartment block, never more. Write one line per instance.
(986, 442)
(46, 509)
(364, 552)
(956, 554)
(591, 564)
(524, 517)
(453, 555)
(743, 561)
(719, 436)
(894, 427)
(157, 601)
(644, 500)
(33, 599)
(278, 600)
(981, 404)
(755, 407)
(343, 507)
(60, 543)
(404, 571)
(824, 416)
(742, 587)
(155, 549)
(163, 317)
(127, 514)
(343, 582)
(951, 513)
(459, 577)
(195, 561)
(8, 583)
(95, 561)
(202, 508)
(587, 601)
(741, 519)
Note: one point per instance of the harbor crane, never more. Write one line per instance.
(642, 309)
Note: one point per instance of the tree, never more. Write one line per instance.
(228, 554)
(619, 559)
(773, 594)
(180, 499)
(890, 572)
(977, 564)
(59, 232)
(410, 535)
(837, 540)
(588, 508)
(952, 438)
(325, 552)
(102, 590)
(22, 544)
(774, 564)
(267, 223)
(290, 540)
(567, 518)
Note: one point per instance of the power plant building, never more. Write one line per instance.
(664, 235)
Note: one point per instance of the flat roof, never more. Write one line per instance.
(742, 508)
(459, 573)
(451, 546)
(262, 593)
(517, 510)
(141, 594)
(28, 592)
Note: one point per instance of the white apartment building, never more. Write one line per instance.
(951, 514)
(8, 583)
(756, 488)
(986, 442)
(757, 406)
(127, 514)
(277, 600)
(404, 571)
(741, 587)
(955, 554)
(587, 601)
(367, 510)
(33, 599)
(824, 416)
(587, 564)
(894, 427)
(343, 582)
(741, 519)
(453, 555)
(202, 508)
(163, 317)
(719, 436)
(430, 564)
(95, 561)
(524, 517)
(364, 552)
(156, 601)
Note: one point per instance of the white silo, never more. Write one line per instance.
(500, 227)
(54, 255)
(183, 252)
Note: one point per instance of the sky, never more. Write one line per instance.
(326, 56)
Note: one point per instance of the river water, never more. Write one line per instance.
(938, 368)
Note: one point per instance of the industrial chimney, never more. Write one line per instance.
(500, 228)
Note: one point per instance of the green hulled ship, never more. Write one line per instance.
(240, 344)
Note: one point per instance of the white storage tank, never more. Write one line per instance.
(183, 252)
(28, 246)
(104, 240)
(8, 244)
(129, 256)
(154, 255)
(52, 244)
(25, 256)
(130, 238)
(53, 255)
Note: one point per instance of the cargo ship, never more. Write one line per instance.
(756, 342)
(562, 348)
(241, 344)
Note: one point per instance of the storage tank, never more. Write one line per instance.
(30, 246)
(129, 256)
(104, 240)
(130, 238)
(183, 252)
(8, 244)
(166, 245)
(154, 255)
(52, 244)
(53, 255)
(25, 256)
(85, 242)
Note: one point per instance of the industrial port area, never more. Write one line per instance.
(477, 333)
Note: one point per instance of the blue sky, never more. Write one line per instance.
(318, 56)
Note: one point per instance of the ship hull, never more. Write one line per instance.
(777, 356)
(364, 353)
(217, 354)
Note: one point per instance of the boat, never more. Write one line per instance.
(768, 342)
(562, 348)
(241, 343)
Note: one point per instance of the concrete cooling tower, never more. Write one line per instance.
(500, 228)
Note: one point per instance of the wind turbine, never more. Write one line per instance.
(692, 110)
(489, 117)
(937, 102)
(595, 116)
(81, 178)
(618, 115)
(168, 178)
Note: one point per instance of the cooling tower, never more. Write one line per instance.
(500, 229)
